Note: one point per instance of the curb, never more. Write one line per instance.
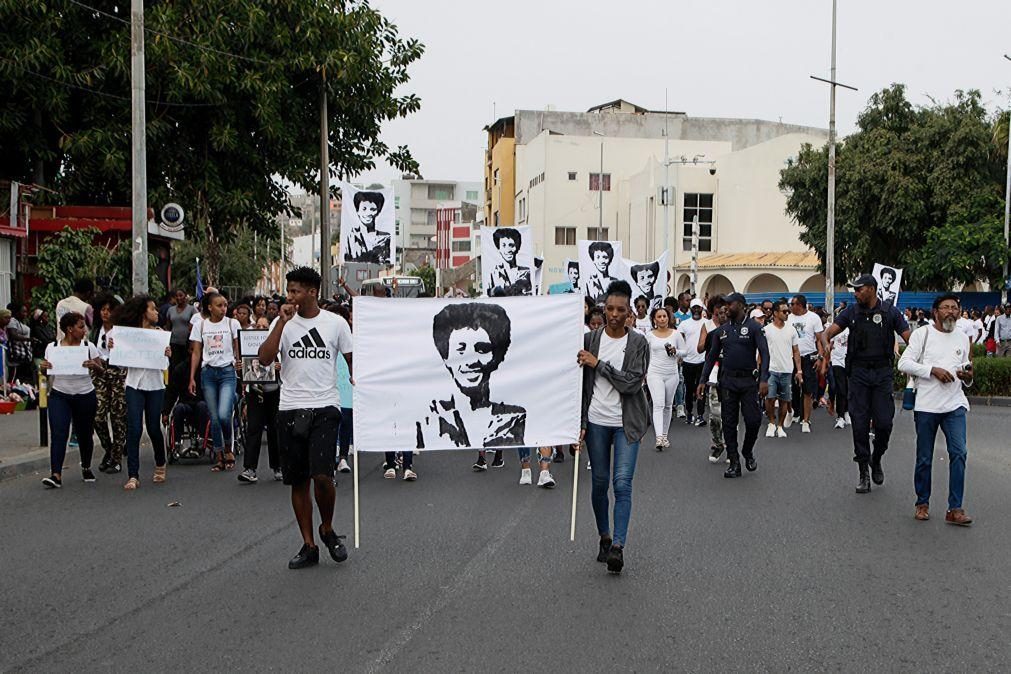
(32, 463)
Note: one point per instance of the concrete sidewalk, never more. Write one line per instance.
(20, 453)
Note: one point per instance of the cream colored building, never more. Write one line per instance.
(725, 171)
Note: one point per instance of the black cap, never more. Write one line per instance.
(736, 297)
(863, 280)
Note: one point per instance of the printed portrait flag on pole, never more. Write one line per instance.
(648, 279)
(889, 283)
(600, 263)
(507, 261)
(475, 374)
(368, 225)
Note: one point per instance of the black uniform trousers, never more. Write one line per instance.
(871, 399)
(739, 396)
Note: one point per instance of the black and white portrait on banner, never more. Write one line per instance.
(600, 264)
(254, 373)
(538, 274)
(889, 283)
(485, 373)
(572, 274)
(648, 279)
(507, 261)
(368, 225)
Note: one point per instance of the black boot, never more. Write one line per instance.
(864, 485)
(734, 470)
(750, 463)
(877, 474)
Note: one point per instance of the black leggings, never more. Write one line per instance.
(840, 390)
(693, 373)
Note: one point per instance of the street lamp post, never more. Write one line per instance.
(1007, 203)
(600, 187)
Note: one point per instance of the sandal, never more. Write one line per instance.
(159, 474)
(131, 484)
(219, 465)
(229, 461)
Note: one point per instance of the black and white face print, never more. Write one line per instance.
(507, 261)
(368, 224)
(648, 279)
(600, 263)
(889, 283)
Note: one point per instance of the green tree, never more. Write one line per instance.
(915, 187)
(427, 274)
(231, 122)
(242, 261)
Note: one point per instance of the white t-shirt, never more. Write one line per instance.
(710, 326)
(309, 351)
(968, 327)
(947, 350)
(691, 329)
(781, 342)
(660, 363)
(103, 343)
(808, 326)
(605, 404)
(643, 325)
(65, 306)
(840, 347)
(978, 325)
(217, 339)
(73, 384)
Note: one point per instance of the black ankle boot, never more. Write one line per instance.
(864, 485)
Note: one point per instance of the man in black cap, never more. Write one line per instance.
(873, 325)
(740, 340)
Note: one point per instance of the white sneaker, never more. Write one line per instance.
(840, 423)
(410, 475)
(770, 432)
(666, 442)
(588, 466)
(789, 419)
(780, 433)
(805, 427)
(278, 476)
(343, 467)
(681, 411)
(545, 480)
(847, 418)
(390, 474)
(526, 477)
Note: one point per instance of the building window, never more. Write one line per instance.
(595, 182)
(572, 175)
(537, 180)
(396, 201)
(565, 236)
(440, 192)
(495, 218)
(702, 206)
(596, 233)
(398, 226)
(461, 246)
(471, 195)
(523, 209)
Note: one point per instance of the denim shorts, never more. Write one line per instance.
(780, 386)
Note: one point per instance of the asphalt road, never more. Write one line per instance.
(784, 569)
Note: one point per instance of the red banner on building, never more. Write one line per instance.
(443, 222)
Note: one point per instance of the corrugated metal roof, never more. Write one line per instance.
(756, 261)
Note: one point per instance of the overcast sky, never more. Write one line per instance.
(716, 58)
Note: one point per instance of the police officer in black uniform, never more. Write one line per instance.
(873, 325)
(736, 344)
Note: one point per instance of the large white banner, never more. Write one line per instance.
(473, 374)
(368, 225)
(139, 347)
(600, 263)
(889, 283)
(507, 261)
(648, 279)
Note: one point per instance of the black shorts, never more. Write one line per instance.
(810, 370)
(315, 452)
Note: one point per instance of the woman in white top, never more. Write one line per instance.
(215, 343)
(110, 389)
(71, 400)
(145, 391)
(666, 345)
(643, 322)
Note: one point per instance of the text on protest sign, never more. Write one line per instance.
(250, 341)
(68, 360)
(139, 347)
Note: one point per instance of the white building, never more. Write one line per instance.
(417, 202)
(725, 171)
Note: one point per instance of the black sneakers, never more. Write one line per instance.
(106, 462)
(114, 468)
(87, 475)
(615, 559)
(498, 462)
(733, 470)
(333, 543)
(52, 482)
(480, 465)
(306, 557)
(605, 547)
(750, 464)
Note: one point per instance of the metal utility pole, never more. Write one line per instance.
(1007, 204)
(666, 183)
(830, 223)
(138, 147)
(600, 186)
(695, 253)
(324, 193)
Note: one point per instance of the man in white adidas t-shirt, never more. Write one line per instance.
(809, 329)
(309, 341)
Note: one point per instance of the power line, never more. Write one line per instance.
(171, 37)
(105, 93)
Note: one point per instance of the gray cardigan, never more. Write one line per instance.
(628, 381)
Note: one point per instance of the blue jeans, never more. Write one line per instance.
(65, 409)
(143, 408)
(599, 440)
(218, 384)
(345, 432)
(952, 424)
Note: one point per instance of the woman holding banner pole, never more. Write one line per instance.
(145, 391)
(615, 416)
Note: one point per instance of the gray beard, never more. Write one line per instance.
(948, 325)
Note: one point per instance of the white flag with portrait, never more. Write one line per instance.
(889, 283)
(507, 261)
(538, 274)
(572, 275)
(368, 225)
(474, 374)
(648, 279)
(600, 263)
